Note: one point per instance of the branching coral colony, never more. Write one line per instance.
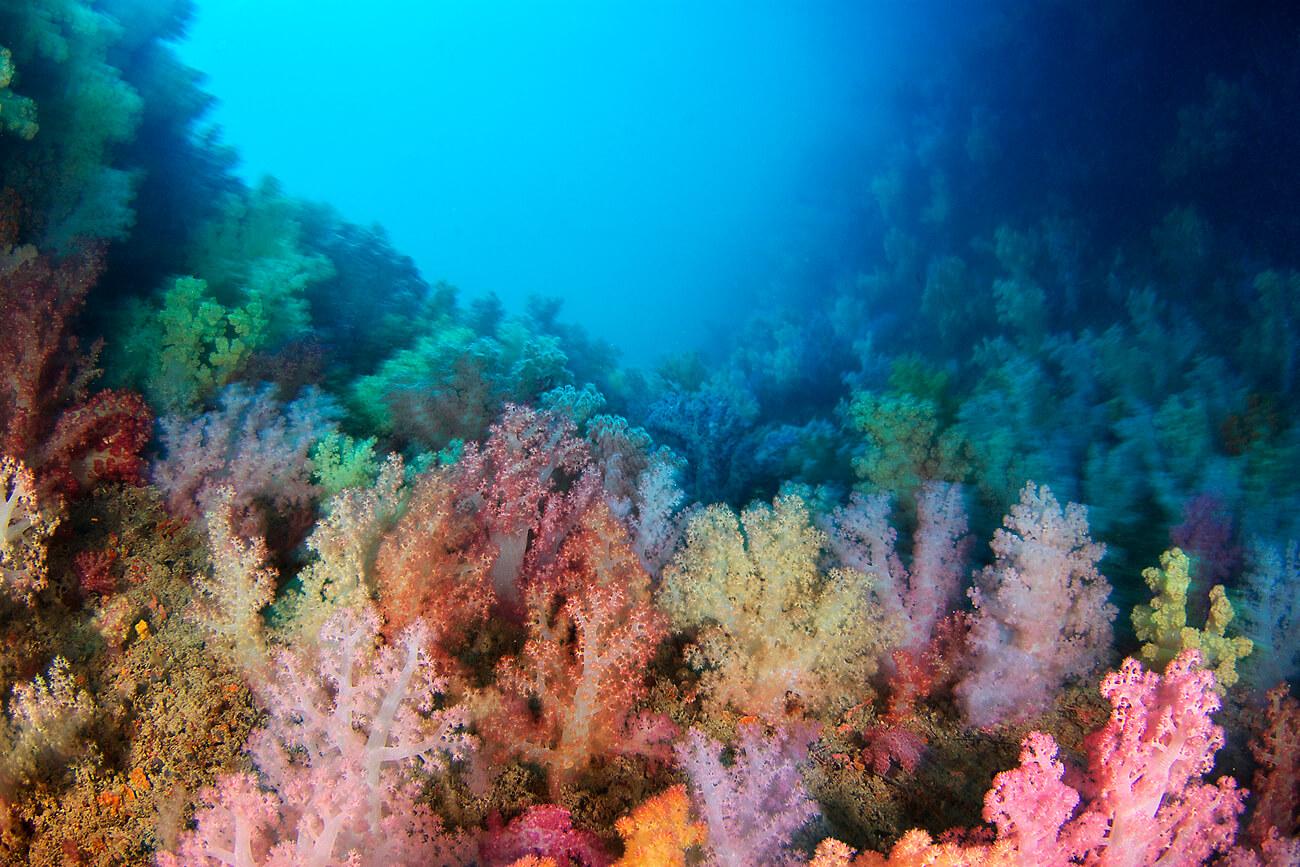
(401, 580)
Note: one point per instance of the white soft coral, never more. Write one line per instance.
(347, 720)
(24, 530)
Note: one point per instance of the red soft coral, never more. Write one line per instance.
(40, 369)
(434, 565)
(94, 570)
(544, 831)
(70, 441)
(1277, 781)
(99, 440)
(570, 695)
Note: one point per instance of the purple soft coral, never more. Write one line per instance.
(917, 598)
(755, 805)
(253, 445)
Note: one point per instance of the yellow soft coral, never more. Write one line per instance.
(1163, 623)
(659, 831)
(772, 628)
(917, 849)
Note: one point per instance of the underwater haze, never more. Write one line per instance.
(767, 434)
(656, 164)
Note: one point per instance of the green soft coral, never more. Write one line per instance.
(252, 252)
(905, 444)
(447, 361)
(68, 174)
(187, 345)
(340, 462)
(1162, 624)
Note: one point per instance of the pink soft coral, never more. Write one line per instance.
(544, 831)
(346, 721)
(253, 445)
(1143, 802)
(526, 484)
(1041, 615)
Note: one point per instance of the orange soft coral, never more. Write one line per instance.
(659, 831)
(434, 565)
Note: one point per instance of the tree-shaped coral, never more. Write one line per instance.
(187, 345)
(1275, 821)
(772, 627)
(346, 720)
(1270, 614)
(66, 52)
(1162, 624)
(40, 369)
(544, 831)
(862, 538)
(1141, 799)
(231, 598)
(344, 545)
(45, 719)
(904, 444)
(17, 112)
(252, 444)
(97, 440)
(1146, 803)
(434, 564)
(525, 485)
(572, 693)
(1041, 615)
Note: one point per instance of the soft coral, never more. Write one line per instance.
(344, 719)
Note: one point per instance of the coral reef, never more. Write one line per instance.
(309, 559)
